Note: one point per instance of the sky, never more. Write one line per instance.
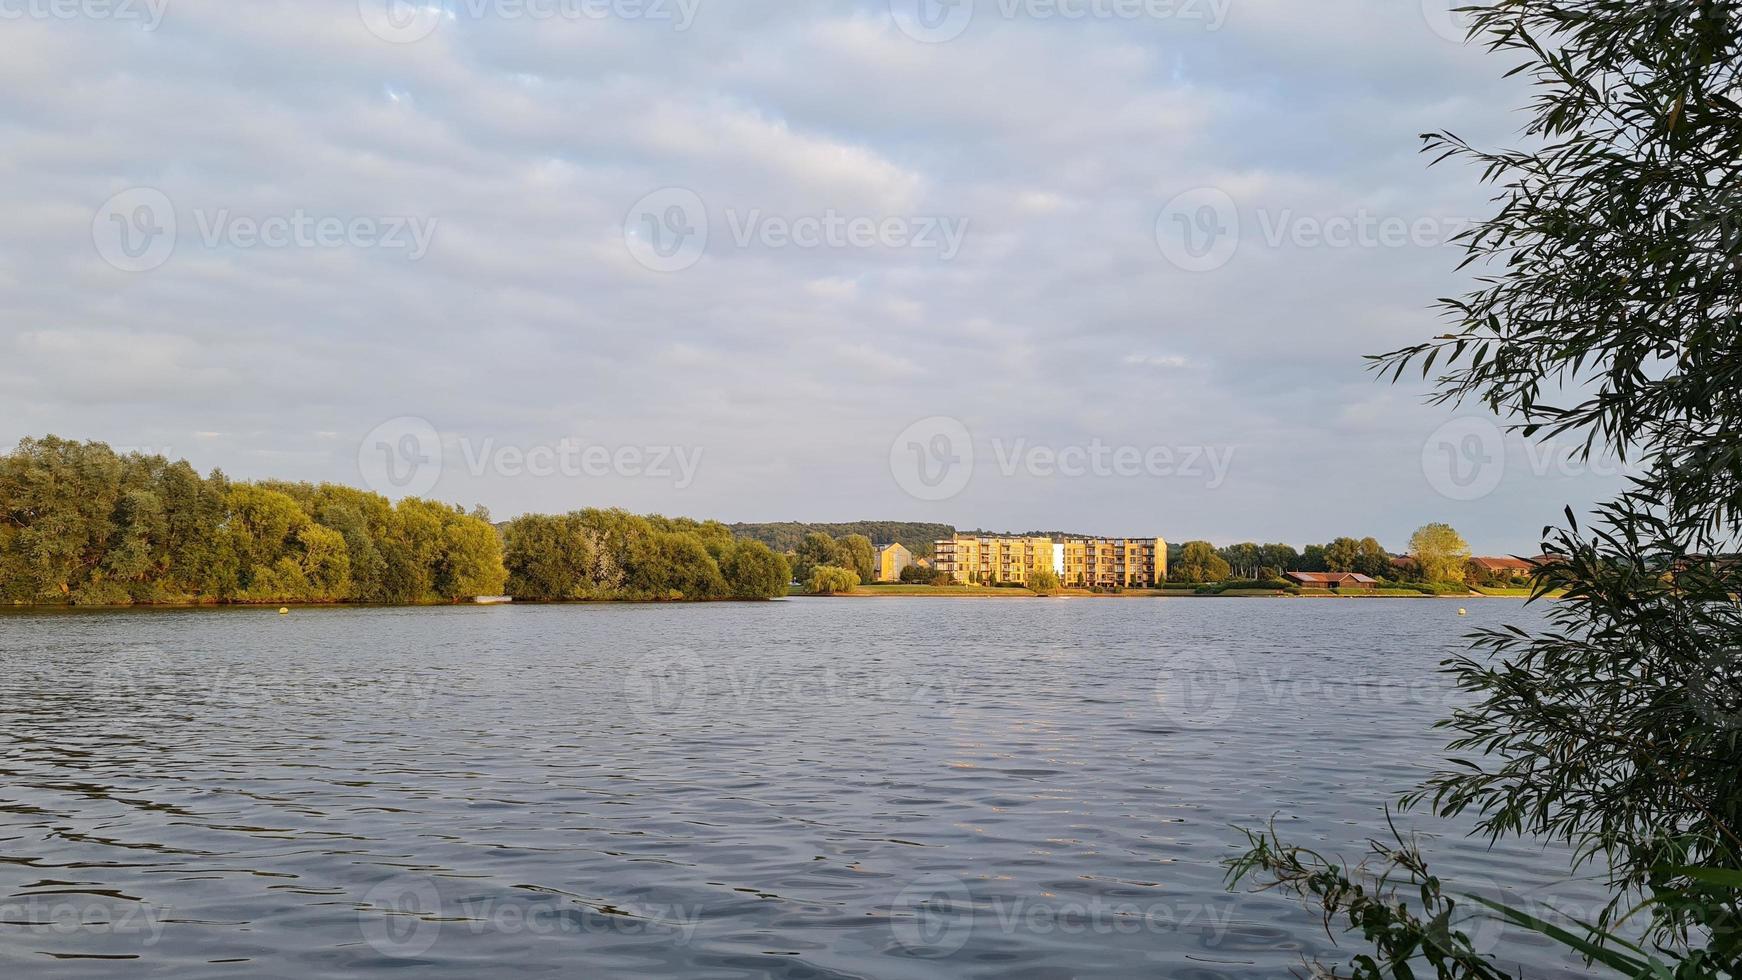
(1107, 266)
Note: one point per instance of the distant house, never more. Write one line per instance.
(1505, 567)
(1340, 581)
(892, 559)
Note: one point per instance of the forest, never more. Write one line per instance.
(83, 525)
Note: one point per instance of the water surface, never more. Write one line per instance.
(895, 787)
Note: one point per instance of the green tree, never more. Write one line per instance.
(917, 574)
(471, 562)
(674, 565)
(856, 552)
(830, 580)
(816, 549)
(1199, 562)
(1373, 561)
(1612, 274)
(753, 571)
(1278, 556)
(1342, 554)
(1312, 559)
(1440, 552)
(1244, 560)
(1043, 581)
(547, 557)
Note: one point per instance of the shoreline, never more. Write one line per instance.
(859, 593)
(1022, 594)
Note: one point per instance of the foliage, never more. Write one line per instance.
(856, 552)
(1312, 559)
(1198, 562)
(922, 575)
(829, 580)
(1251, 560)
(1364, 556)
(1258, 585)
(816, 549)
(1043, 581)
(1439, 552)
(753, 571)
(1608, 310)
(612, 554)
(82, 524)
(786, 537)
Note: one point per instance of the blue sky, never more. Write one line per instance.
(1107, 265)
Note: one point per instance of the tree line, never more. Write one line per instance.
(83, 525)
(786, 537)
(1437, 555)
(612, 554)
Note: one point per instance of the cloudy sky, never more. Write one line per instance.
(1098, 265)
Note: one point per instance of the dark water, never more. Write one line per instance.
(811, 788)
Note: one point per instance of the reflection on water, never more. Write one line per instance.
(811, 788)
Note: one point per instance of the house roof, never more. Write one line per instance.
(1333, 578)
(1504, 564)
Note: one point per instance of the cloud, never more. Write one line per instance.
(1053, 145)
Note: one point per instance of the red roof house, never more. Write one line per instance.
(1341, 581)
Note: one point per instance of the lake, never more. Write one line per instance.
(893, 787)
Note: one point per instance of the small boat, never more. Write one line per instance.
(492, 600)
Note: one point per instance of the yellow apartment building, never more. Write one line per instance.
(1104, 563)
(892, 560)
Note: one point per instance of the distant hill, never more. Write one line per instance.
(1055, 535)
(786, 535)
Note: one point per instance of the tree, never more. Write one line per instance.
(674, 565)
(1043, 581)
(1440, 552)
(856, 552)
(82, 524)
(1279, 556)
(1198, 562)
(831, 579)
(1373, 561)
(816, 549)
(917, 574)
(1312, 559)
(752, 571)
(471, 559)
(1609, 312)
(1342, 554)
(1243, 559)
